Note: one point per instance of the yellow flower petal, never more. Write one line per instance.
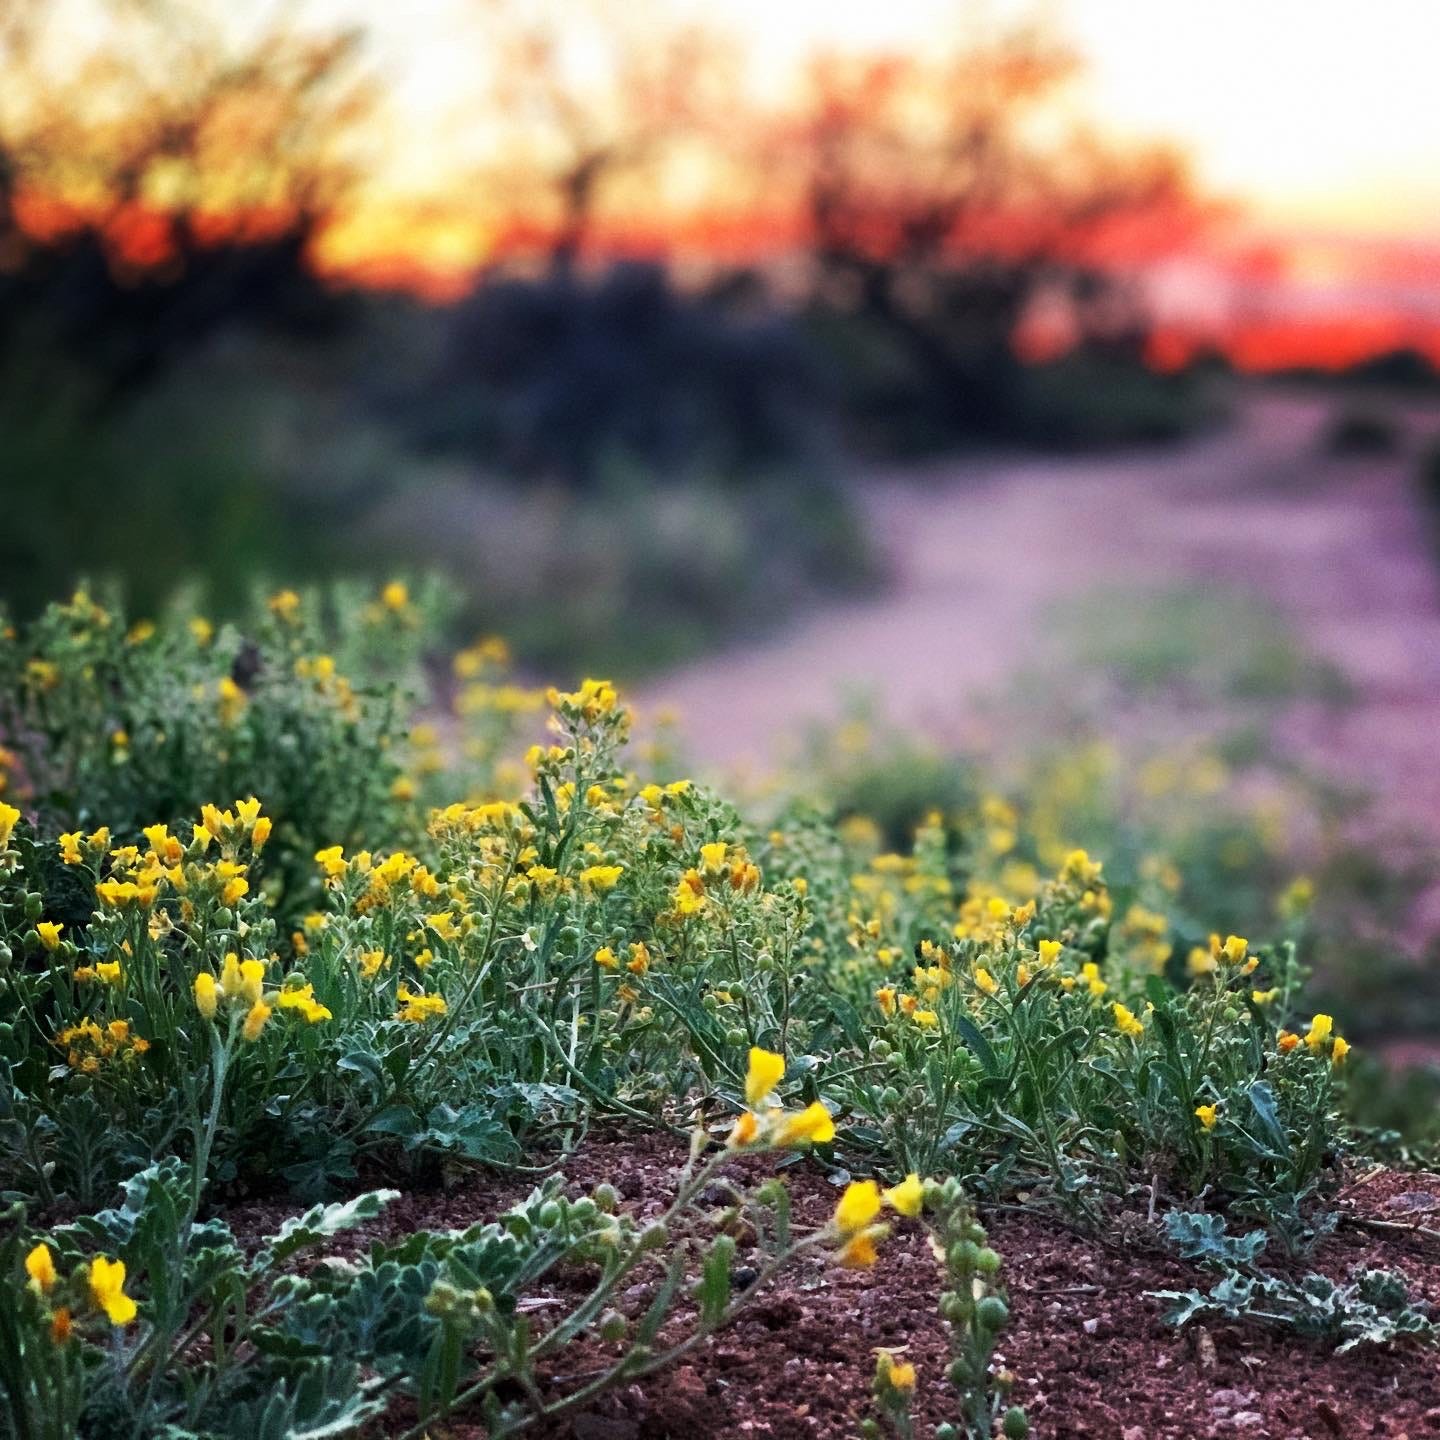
(765, 1072)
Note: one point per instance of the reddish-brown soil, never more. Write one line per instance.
(1089, 1349)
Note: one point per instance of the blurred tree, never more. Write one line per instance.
(952, 206)
(590, 97)
(166, 181)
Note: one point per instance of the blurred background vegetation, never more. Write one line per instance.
(187, 389)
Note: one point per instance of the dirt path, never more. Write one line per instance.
(983, 551)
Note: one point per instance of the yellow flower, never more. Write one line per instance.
(885, 999)
(745, 1132)
(690, 894)
(206, 994)
(107, 1290)
(49, 933)
(1125, 1020)
(201, 629)
(712, 857)
(1090, 972)
(1265, 997)
(242, 980)
(331, 860)
(108, 972)
(443, 924)
(812, 1125)
(1199, 962)
(284, 604)
(925, 1019)
(395, 596)
(9, 818)
(606, 958)
(42, 674)
(1319, 1032)
(858, 1252)
(1049, 951)
(1235, 948)
(69, 844)
(1339, 1050)
(1080, 867)
(1206, 1115)
(302, 998)
(255, 1020)
(639, 961)
(417, 1007)
(985, 980)
(231, 700)
(597, 879)
(763, 1074)
(857, 1207)
(894, 1374)
(1286, 1041)
(40, 1267)
(908, 1197)
(372, 962)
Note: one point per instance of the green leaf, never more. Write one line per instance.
(649, 1327)
(320, 1222)
(1262, 1101)
(970, 1033)
(715, 1281)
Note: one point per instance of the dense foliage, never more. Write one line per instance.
(259, 928)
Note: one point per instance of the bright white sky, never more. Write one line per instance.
(1321, 114)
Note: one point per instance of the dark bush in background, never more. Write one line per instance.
(556, 376)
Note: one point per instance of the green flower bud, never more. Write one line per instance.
(550, 1214)
(607, 1197)
(613, 1326)
(992, 1312)
(1015, 1426)
(987, 1262)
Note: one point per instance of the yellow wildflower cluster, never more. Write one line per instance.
(761, 1123)
(416, 1007)
(723, 869)
(854, 1222)
(137, 878)
(89, 1045)
(241, 988)
(1141, 938)
(99, 1286)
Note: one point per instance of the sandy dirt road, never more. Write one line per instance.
(983, 552)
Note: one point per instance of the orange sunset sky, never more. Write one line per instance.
(1319, 117)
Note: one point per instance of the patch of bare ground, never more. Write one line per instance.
(1090, 1351)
